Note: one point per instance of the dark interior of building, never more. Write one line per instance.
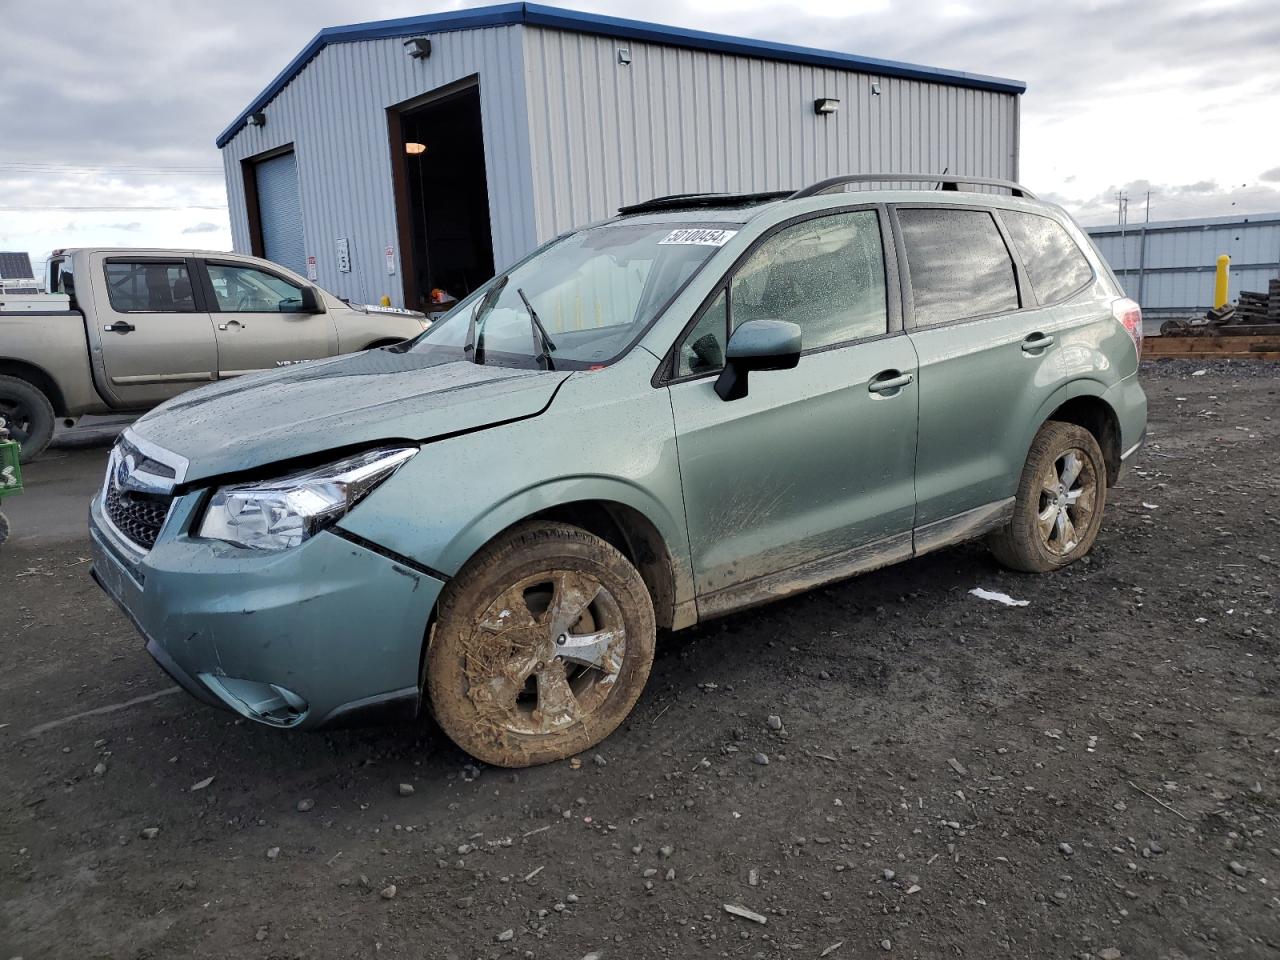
(448, 200)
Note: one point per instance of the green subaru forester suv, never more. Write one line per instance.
(705, 403)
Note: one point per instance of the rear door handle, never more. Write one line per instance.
(889, 381)
(1036, 342)
(231, 323)
(120, 326)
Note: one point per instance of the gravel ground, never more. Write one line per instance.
(1092, 775)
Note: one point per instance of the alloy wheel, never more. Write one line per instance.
(1068, 498)
(546, 653)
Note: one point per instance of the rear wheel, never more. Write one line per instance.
(1058, 510)
(28, 416)
(542, 646)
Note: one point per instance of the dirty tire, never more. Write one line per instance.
(1054, 524)
(29, 414)
(494, 680)
(4, 528)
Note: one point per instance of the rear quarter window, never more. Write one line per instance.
(1055, 265)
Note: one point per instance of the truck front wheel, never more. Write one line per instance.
(28, 416)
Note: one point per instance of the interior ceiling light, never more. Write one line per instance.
(413, 148)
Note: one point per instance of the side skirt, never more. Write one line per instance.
(848, 563)
(963, 526)
(806, 576)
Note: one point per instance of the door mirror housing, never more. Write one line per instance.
(757, 345)
(310, 301)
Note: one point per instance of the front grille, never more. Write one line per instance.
(138, 516)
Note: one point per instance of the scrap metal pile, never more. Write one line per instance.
(1248, 329)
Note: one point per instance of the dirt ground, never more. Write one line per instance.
(1091, 775)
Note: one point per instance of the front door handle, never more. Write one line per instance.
(231, 323)
(1036, 342)
(120, 326)
(889, 381)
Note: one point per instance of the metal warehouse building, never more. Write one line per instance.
(1168, 267)
(405, 155)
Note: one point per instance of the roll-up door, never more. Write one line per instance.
(280, 212)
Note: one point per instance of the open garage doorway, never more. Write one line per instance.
(442, 196)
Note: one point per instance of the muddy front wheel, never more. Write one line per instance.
(542, 646)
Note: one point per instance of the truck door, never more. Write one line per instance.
(154, 329)
(261, 319)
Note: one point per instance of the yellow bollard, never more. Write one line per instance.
(385, 301)
(1220, 282)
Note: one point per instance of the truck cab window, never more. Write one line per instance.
(246, 290)
(149, 287)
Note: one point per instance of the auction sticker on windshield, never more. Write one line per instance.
(699, 235)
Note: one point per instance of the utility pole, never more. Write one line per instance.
(1122, 218)
(1142, 249)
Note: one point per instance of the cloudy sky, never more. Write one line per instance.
(111, 107)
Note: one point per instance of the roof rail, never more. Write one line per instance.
(944, 181)
(683, 200)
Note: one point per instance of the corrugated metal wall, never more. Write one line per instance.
(334, 112)
(593, 134)
(680, 121)
(1174, 275)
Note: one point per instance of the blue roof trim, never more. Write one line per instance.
(535, 14)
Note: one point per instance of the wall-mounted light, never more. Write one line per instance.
(875, 88)
(624, 55)
(413, 148)
(419, 48)
(825, 105)
(258, 119)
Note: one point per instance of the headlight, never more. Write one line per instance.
(278, 514)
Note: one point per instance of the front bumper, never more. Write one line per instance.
(306, 637)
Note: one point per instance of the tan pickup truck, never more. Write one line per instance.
(141, 326)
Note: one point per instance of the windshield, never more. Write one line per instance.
(580, 301)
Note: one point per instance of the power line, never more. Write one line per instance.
(104, 208)
(34, 166)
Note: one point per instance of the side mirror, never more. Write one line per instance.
(310, 301)
(757, 345)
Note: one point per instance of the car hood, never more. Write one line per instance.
(361, 398)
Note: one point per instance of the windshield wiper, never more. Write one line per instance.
(469, 345)
(546, 345)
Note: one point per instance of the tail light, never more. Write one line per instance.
(1129, 315)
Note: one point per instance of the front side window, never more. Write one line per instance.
(1054, 263)
(249, 290)
(825, 274)
(149, 287)
(959, 265)
(593, 292)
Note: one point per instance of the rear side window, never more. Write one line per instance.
(149, 287)
(1054, 263)
(959, 265)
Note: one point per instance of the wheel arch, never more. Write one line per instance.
(1083, 404)
(620, 513)
(39, 378)
(616, 514)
